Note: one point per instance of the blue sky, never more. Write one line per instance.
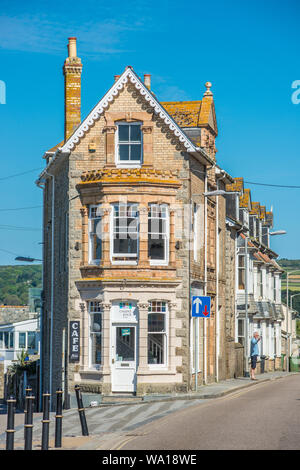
(247, 49)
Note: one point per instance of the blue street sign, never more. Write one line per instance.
(200, 306)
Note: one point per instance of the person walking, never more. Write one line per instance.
(254, 353)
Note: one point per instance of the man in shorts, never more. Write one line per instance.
(254, 353)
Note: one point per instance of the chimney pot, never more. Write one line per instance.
(72, 47)
(147, 80)
(117, 77)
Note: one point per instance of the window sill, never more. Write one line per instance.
(134, 263)
(91, 371)
(157, 371)
(159, 263)
(128, 165)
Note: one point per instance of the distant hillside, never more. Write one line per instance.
(15, 282)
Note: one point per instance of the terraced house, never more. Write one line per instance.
(258, 278)
(129, 237)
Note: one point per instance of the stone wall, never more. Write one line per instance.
(11, 314)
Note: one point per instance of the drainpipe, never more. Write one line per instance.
(205, 279)
(52, 283)
(42, 313)
(217, 286)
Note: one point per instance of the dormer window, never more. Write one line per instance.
(129, 144)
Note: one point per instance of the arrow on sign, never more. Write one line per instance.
(198, 302)
(205, 312)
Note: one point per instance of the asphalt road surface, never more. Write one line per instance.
(264, 417)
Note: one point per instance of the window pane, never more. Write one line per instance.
(96, 348)
(11, 340)
(156, 248)
(95, 233)
(96, 322)
(135, 152)
(156, 322)
(22, 340)
(123, 133)
(125, 344)
(31, 339)
(156, 349)
(124, 152)
(95, 332)
(241, 327)
(125, 246)
(135, 133)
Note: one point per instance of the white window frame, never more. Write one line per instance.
(130, 258)
(11, 340)
(91, 234)
(128, 163)
(241, 269)
(165, 333)
(166, 235)
(22, 333)
(94, 307)
(260, 283)
(26, 347)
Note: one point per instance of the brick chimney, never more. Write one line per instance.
(72, 71)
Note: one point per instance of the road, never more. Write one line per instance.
(265, 417)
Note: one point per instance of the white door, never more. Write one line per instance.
(124, 352)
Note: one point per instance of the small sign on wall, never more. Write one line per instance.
(74, 341)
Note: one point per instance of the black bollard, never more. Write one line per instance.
(58, 418)
(45, 421)
(10, 423)
(29, 420)
(81, 412)
(28, 391)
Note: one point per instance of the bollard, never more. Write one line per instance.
(45, 421)
(10, 423)
(29, 420)
(81, 412)
(58, 418)
(28, 391)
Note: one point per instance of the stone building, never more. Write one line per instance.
(129, 238)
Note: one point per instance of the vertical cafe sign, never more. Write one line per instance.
(74, 341)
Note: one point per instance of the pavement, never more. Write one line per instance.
(110, 422)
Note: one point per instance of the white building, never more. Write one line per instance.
(18, 336)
